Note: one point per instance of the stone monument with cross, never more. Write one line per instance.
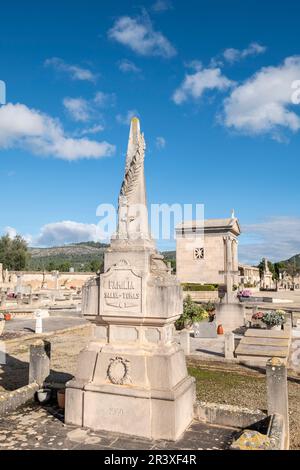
(230, 274)
(132, 377)
(230, 312)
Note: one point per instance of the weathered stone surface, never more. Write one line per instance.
(39, 364)
(11, 401)
(227, 415)
(277, 392)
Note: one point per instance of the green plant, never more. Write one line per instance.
(272, 318)
(199, 287)
(210, 306)
(192, 313)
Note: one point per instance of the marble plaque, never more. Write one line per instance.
(121, 289)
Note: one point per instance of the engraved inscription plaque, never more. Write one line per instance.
(121, 289)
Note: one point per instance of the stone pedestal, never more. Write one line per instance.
(277, 392)
(231, 316)
(39, 363)
(132, 378)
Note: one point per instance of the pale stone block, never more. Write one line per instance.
(74, 407)
(116, 413)
(39, 362)
(185, 341)
(230, 316)
(123, 334)
(229, 345)
(277, 392)
(152, 335)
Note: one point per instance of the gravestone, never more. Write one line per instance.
(132, 378)
(205, 329)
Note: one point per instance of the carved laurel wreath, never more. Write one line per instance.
(132, 173)
(118, 371)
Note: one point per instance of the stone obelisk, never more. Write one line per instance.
(132, 378)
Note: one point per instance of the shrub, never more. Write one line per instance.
(199, 287)
(192, 313)
(274, 318)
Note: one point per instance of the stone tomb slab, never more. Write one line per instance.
(264, 333)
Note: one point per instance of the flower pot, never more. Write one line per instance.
(43, 395)
(220, 330)
(61, 398)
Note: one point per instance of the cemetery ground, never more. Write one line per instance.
(216, 382)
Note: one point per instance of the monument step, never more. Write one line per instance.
(266, 341)
(264, 333)
(258, 350)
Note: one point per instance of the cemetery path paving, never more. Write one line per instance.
(33, 427)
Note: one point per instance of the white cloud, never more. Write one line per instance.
(92, 130)
(262, 104)
(276, 238)
(160, 142)
(83, 110)
(195, 84)
(194, 64)
(30, 129)
(102, 99)
(234, 55)
(127, 66)
(61, 233)
(74, 71)
(78, 109)
(126, 118)
(162, 5)
(11, 232)
(64, 232)
(139, 35)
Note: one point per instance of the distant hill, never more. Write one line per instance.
(78, 255)
(293, 261)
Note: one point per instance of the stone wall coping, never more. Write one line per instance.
(34, 337)
(12, 400)
(227, 415)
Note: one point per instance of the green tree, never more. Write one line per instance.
(95, 265)
(278, 267)
(64, 267)
(13, 253)
(51, 266)
(271, 266)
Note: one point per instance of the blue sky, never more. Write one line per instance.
(212, 84)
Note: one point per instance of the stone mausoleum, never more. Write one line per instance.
(206, 250)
